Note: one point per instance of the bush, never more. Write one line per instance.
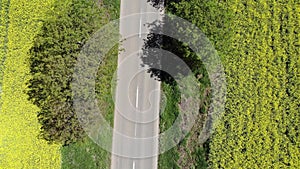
(52, 60)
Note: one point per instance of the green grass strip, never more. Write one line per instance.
(87, 154)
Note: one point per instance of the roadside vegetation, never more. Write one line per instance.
(167, 118)
(85, 153)
(53, 57)
(113, 7)
(19, 145)
(189, 153)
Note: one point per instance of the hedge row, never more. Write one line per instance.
(86, 153)
(53, 57)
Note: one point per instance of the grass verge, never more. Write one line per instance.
(189, 153)
(87, 154)
(167, 117)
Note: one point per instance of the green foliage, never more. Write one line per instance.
(52, 60)
(258, 42)
(113, 6)
(167, 118)
(169, 159)
(170, 113)
(85, 154)
(200, 161)
(105, 83)
(186, 153)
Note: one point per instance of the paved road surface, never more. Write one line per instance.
(136, 121)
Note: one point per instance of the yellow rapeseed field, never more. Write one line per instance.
(20, 146)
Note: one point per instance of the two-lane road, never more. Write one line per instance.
(136, 117)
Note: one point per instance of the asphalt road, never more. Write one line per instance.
(136, 117)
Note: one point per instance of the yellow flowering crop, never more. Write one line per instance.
(20, 146)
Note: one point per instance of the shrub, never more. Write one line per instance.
(52, 60)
